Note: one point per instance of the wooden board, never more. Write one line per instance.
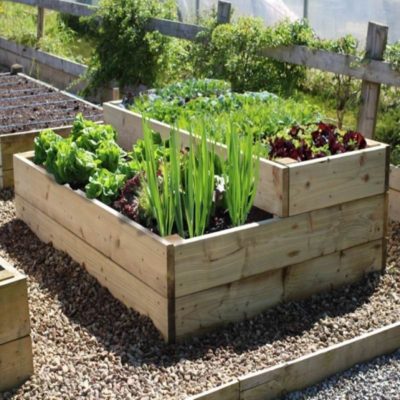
(310, 369)
(16, 364)
(274, 382)
(98, 225)
(329, 272)
(333, 180)
(231, 255)
(14, 313)
(394, 179)
(236, 301)
(248, 297)
(124, 286)
(394, 205)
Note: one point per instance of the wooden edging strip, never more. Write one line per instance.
(275, 381)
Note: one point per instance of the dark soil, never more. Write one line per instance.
(26, 105)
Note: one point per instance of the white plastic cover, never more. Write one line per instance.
(271, 11)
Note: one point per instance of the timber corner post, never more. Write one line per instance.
(374, 50)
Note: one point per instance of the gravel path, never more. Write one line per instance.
(88, 345)
(379, 379)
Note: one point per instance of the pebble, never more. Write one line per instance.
(88, 345)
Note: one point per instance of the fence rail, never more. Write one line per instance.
(371, 71)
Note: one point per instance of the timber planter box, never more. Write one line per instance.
(394, 194)
(187, 286)
(287, 187)
(28, 106)
(16, 363)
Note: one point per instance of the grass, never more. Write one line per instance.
(18, 23)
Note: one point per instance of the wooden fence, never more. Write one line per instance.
(372, 70)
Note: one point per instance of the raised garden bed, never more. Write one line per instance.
(187, 286)
(26, 107)
(287, 187)
(394, 193)
(271, 383)
(16, 363)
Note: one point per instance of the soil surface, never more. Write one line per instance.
(26, 105)
(88, 345)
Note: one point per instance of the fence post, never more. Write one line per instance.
(40, 23)
(374, 49)
(224, 12)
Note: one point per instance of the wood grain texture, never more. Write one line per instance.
(329, 272)
(16, 363)
(394, 178)
(333, 180)
(127, 288)
(14, 312)
(394, 205)
(312, 368)
(98, 225)
(239, 300)
(231, 255)
(370, 91)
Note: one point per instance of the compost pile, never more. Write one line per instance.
(87, 344)
(28, 105)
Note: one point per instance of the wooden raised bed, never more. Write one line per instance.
(11, 143)
(274, 382)
(394, 194)
(287, 187)
(188, 286)
(16, 364)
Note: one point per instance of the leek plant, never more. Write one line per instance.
(241, 173)
(158, 175)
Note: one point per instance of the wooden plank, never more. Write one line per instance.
(41, 57)
(98, 225)
(5, 275)
(223, 12)
(22, 142)
(272, 191)
(333, 180)
(64, 6)
(250, 296)
(16, 363)
(40, 23)
(394, 178)
(128, 289)
(6, 179)
(370, 91)
(312, 368)
(329, 272)
(14, 313)
(394, 205)
(174, 28)
(227, 256)
(229, 391)
(372, 70)
(235, 301)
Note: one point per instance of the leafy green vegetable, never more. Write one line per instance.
(105, 186)
(110, 154)
(69, 163)
(43, 142)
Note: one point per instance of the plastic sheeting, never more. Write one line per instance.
(271, 11)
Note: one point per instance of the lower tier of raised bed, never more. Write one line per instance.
(16, 364)
(187, 286)
(274, 382)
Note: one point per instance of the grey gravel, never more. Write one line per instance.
(87, 345)
(379, 379)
